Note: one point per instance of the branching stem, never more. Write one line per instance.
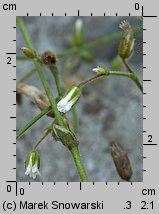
(114, 73)
(31, 122)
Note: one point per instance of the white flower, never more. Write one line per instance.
(69, 99)
(32, 171)
(32, 164)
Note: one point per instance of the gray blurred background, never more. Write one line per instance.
(110, 109)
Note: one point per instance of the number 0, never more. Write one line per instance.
(137, 6)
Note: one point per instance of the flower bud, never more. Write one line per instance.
(69, 99)
(122, 162)
(29, 52)
(127, 42)
(101, 70)
(32, 164)
(79, 34)
(64, 135)
(48, 58)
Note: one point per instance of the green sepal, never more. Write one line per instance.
(34, 156)
(64, 135)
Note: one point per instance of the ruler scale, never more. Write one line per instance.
(69, 197)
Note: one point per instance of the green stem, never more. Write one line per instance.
(137, 82)
(127, 66)
(27, 75)
(99, 42)
(75, 120)
(85, 82)
(132, 76)
(40, 72)
(31, 122)
(79, 165)
(114, 73)
(55, 73)
(91, 45)
(48, 92)
(47, 131)
(22, 58)
(74, 149)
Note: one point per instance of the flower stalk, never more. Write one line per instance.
(132, 76)
(47, 131)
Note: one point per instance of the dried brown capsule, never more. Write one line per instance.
(48, 58)
(122, 162)
(35, 95)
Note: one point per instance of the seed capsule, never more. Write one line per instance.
(122, 162)
(49, 58)
(66, 137)
(127, 41)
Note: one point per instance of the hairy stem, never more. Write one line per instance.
(31, 122)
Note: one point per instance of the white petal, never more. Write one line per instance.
(65, 103)
(28, 170)
(96, 69)
(35, 168)
(32, 171)
(33, 175)
(61, 106)
(68, 106)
